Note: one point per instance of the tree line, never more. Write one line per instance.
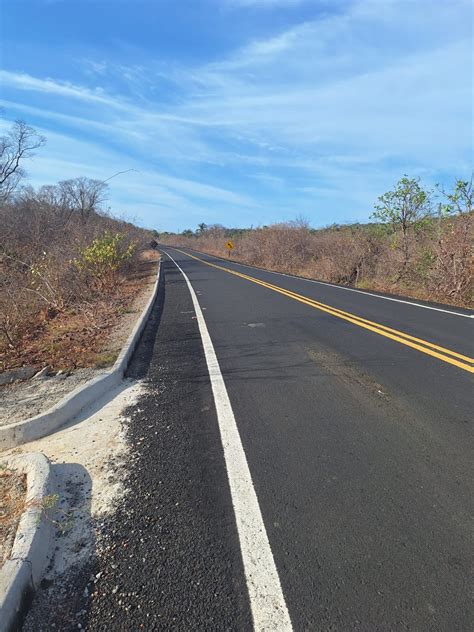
(60, 246)
(419, 244)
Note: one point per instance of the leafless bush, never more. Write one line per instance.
(16, 146)
(452, 271)
(82, 196)
(43, 235)
(413, 252)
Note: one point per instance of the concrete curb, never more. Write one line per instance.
(32, 548)
(45, 423)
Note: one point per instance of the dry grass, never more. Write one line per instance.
(12, 505)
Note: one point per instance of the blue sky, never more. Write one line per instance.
(242, 112)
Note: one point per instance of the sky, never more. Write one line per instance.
(241, 112)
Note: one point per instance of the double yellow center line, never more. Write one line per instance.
(436, 351)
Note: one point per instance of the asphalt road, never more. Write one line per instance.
(354, 413)
(359, 446)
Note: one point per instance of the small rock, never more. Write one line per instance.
(17, 375)
(41, 374)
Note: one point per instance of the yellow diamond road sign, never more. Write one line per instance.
(229, 245)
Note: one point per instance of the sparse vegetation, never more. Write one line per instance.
(104, 258)
(63, 260)
(14, 503)
(420, 245)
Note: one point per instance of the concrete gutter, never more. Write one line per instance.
(45, 423)
(32, 549)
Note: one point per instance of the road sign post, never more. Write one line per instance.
(229, 245)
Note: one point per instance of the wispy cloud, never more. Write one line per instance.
(173, 199)
(322, 113)
(23, 81)
(95, 67)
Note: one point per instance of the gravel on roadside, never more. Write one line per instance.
(167, 557)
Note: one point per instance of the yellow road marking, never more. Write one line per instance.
(429, 348)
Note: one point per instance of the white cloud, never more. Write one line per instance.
(23, 81)
(65, 157)
(95, 67)
(366, 80)
(339, 105)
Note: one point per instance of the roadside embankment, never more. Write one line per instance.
(52, 417)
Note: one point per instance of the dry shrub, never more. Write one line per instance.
(368, 256)
(40, 241)
(453, 266)
(341, 256)
(285, 247)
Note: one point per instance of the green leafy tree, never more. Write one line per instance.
(201, 229)
(458, 201)
(406, 208)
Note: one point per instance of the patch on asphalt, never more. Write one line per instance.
(348, 372)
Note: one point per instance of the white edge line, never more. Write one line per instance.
(341, 287)
(269, 610)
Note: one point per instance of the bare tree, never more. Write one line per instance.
(83, 195)
(16, 146)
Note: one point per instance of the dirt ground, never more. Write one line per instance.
(86, 336)
(77, 355)
(21, 400)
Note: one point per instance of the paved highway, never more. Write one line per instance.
(304, 459)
